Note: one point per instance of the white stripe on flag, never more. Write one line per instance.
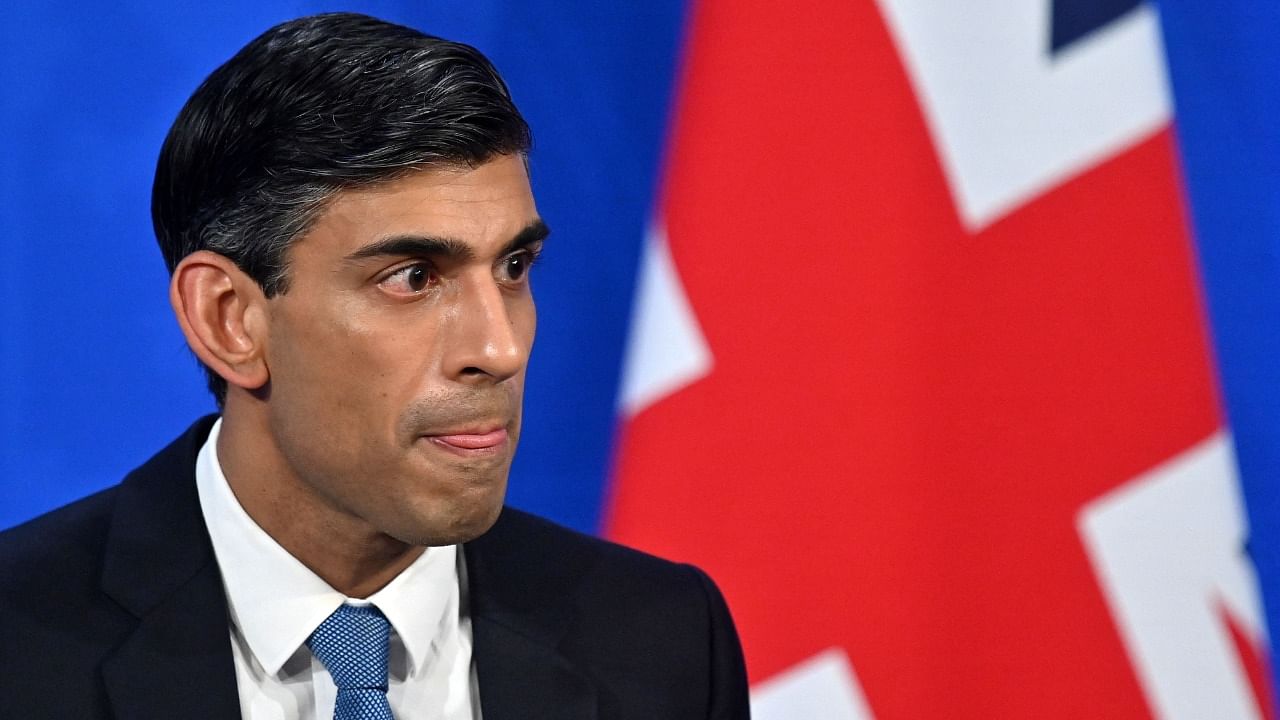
(1010, 120)
(1168, 549)
(665, 350)
(820, 688)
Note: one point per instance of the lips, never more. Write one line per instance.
(470, 442)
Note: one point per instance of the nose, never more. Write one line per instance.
(493, 334)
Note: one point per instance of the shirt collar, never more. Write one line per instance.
(276, 601)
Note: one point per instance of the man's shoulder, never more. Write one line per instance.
(54, 616)
(58, 543)
(531, 565)
(551, 538)
(66, 548)
(538, 549)
(79, 581)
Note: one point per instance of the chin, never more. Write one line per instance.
(461, 523)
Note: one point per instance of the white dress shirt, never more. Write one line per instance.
(276, 603)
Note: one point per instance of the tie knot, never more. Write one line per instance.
(353, 645)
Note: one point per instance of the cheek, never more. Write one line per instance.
(320, 374)
(347, 367)
(333, 408)
(314, 351)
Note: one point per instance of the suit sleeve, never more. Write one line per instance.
(728, 672)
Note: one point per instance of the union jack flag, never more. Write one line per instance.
(919, 368)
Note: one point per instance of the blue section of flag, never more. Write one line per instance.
(1224, 58)
(1075, 19)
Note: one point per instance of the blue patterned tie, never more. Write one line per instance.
(353, 645)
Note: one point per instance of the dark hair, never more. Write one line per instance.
(308, 108)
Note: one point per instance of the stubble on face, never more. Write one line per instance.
(397, 362)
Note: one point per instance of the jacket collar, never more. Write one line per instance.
(521, 608)
(159, 565)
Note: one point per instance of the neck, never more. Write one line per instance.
(342, 549)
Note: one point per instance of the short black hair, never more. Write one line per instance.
(310, 107)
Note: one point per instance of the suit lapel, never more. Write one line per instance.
(522, 678)
(178, 661)
(519, 613)
(159, 565)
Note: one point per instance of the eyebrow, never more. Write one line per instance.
(445, 247)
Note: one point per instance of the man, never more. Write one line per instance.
(345, 210)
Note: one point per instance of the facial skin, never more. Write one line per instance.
(374, 407)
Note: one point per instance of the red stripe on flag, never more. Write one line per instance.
(1257, 666)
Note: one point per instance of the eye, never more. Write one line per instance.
(410, 279)
(515, 267)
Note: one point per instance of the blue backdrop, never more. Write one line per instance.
(94, 375)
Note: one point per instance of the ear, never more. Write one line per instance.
(222, 312)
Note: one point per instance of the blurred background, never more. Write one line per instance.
(942, 334)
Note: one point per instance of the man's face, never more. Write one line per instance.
(397, 356)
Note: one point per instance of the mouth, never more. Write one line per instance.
(472, 442)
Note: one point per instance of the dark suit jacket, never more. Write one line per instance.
(113, 607)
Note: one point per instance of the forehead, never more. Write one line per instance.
(480, 206)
